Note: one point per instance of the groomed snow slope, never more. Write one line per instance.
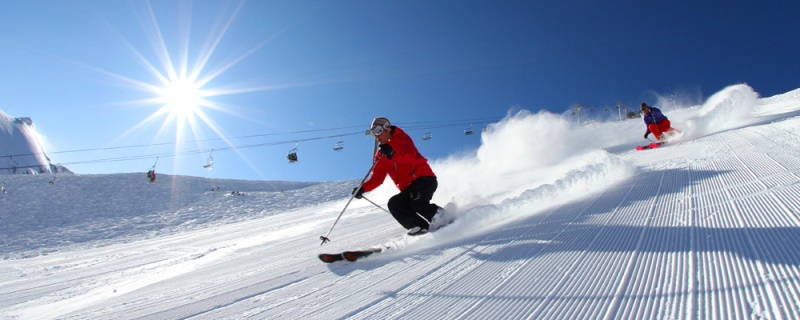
(707, 227)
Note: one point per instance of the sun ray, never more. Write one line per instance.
(134, 84)
(238, 59)
(185, 25)
(213, 126)
(243, 56)
(159, 44)
(212, 43)
(137, 54)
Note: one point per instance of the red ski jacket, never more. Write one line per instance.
(406, 165)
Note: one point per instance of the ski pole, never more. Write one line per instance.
(370, 201)
(325, 237)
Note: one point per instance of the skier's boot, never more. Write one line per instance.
(416, 231)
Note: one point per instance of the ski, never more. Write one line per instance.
(439, 222)
(650, 146)
(354, 255)
(330, 257)
(349, 255)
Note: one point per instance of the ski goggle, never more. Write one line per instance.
(376, 130)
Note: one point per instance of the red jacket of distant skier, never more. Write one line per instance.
(406, 165)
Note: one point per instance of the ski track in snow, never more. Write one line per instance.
(702, 229)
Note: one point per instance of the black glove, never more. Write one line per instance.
(358, 192)
(386, 150)
(646, 134)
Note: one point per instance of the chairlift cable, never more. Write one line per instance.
(410, 125)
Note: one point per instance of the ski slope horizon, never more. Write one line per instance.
(555, 221)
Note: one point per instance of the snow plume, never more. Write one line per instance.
(521, 153)
(727, 109)
(579, 177)
(527, 140)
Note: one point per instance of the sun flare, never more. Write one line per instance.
(182, 86)
(182, 98)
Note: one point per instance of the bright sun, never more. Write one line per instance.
(180, 90)
(182, 98)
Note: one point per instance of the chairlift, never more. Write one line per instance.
(339, 145)
(151, 174)
(427, 136)
(292, 156)
(468, 130)
(210, 162)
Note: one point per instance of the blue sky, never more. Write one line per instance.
(280, 74)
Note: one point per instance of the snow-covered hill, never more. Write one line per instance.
(554, 221)
(21, 149)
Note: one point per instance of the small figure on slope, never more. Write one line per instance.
(398, 157)
(656, 123)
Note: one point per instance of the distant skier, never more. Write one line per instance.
(656, 123)
(399, 158)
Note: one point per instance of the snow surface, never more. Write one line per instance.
(554, 221)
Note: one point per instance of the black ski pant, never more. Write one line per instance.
(412, 207)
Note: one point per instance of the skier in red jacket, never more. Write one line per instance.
(399, 158)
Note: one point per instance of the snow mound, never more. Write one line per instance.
(21, 148)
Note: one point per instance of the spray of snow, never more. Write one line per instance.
(527, 163)
(536, 145)
(727, 109)
(581, 175)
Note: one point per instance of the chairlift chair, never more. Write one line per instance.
(427, 136)
(468, 130)
(151, 174)
(292, 156)
(339, 145)
(210, 162)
